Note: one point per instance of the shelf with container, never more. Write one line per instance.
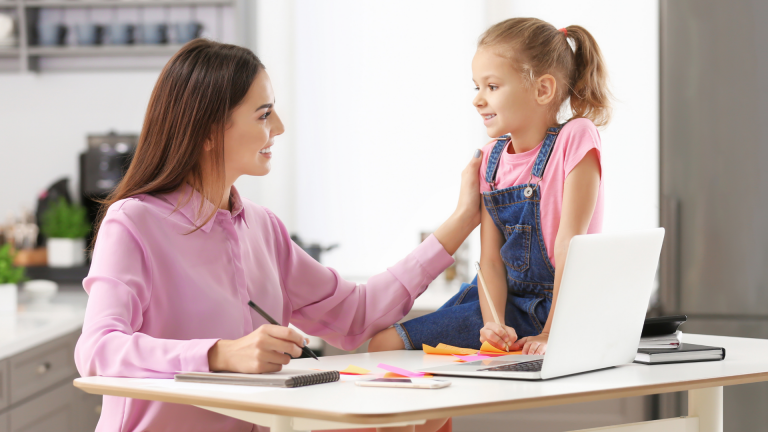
(86, 35)
(123, 3)
(102, 50)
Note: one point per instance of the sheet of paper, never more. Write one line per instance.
(394, 375)
(443, 349)
(354, 370)
(471, 357)
(400, 371)
(488, 348)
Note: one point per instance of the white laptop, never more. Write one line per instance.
(604, 294)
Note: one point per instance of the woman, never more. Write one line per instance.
(178, 253)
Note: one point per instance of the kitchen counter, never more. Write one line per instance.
(36, 325)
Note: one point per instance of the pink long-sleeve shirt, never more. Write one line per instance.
(160, 297)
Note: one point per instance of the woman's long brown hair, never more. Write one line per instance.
(189, 107)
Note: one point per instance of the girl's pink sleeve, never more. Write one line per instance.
(346, 314)
(118, 285)
(582, 137)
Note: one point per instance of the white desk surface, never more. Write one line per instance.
(746, 361)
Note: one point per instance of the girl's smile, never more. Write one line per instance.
(487, 118)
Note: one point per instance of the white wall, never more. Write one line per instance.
(44, 120)
(384, 124)
(384, 120)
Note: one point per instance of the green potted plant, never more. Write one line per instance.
(10, 276)
(65, 227)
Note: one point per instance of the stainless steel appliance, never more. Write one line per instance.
(102, 166)
(714, 186)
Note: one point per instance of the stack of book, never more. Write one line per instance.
(662, 342)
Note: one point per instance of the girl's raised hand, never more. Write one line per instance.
(497, 335)
(266, 349)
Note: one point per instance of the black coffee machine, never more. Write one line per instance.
(102, 166)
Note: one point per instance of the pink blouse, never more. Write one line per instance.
(160, 297)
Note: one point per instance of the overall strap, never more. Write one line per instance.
(493, 160)
(545, 152)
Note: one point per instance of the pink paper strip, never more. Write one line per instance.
(397, 370)
(470, 358)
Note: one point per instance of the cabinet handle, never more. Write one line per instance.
(43, 368)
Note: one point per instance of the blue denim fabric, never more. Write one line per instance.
(530, 274)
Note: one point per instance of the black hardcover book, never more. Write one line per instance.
(660, 326)
(685, 353)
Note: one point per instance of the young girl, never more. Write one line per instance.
(540, 180)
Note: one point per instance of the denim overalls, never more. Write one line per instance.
(530, 275)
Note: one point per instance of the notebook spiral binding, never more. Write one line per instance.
(316, 378)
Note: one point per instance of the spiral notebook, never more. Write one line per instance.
(283, 378)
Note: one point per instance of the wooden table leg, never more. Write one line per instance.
(707, 405)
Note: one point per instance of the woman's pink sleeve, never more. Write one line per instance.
(346, 314)
(118, 285)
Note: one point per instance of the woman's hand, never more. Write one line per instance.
(452, 233)
(266, 349)
(533, 345)
(469, 194)
(500, 336)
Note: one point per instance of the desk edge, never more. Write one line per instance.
(481, 408)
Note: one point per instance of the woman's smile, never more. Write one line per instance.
(266, 152)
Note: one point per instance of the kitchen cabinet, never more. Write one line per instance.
(53, 410)
(42, 397)
(37, 367)
(41, 367)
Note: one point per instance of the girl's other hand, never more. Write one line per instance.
(266, 349)
(498, 335)
(469, 194)
(533, 345)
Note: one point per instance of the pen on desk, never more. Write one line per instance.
(305, 349)
(490, 302)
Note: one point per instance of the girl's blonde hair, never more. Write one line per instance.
(538, 48)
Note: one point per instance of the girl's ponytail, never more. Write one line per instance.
(589, 94)
(571, 55)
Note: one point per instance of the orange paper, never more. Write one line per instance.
(394, 375)
(354, 370)
(487, 348)
(443, 349)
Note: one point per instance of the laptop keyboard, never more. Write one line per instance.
(529, 366)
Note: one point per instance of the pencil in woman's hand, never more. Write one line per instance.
(305, 349)
(490, 302)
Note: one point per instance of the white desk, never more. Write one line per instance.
(344, 405)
